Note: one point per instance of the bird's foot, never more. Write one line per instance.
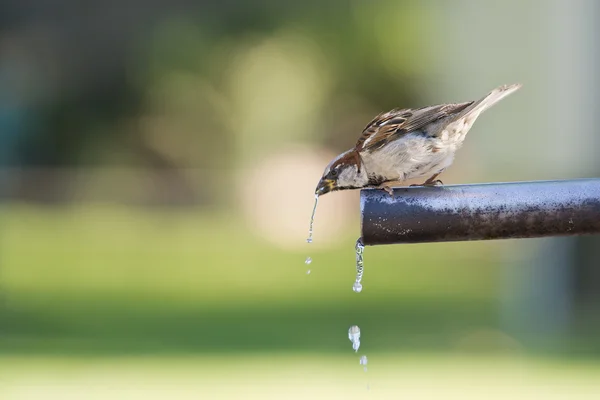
(388, 189)
(436, 182)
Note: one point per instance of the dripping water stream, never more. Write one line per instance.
(312, 220)
(309, 239)
(360, 248)
(354, 331)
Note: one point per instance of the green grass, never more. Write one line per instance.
(195, 257)
(109, 302)
(112, 280)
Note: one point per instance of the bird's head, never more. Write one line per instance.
(346, 171)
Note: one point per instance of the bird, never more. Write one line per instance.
(404, 144)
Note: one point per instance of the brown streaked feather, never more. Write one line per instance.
(382, 126)
(350, 158)
(393, 124)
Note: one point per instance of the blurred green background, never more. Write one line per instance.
(158, 163)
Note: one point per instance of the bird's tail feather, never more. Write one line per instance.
(489, 100)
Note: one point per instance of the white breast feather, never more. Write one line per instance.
(412, 157)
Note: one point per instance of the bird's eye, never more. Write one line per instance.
(334, 172)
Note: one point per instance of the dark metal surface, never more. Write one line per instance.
(480, 212)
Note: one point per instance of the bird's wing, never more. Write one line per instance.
(393, 124)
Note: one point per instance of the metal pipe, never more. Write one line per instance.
(480, 212)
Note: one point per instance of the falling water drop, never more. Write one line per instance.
(363, 361)
(360, 247)
(308, 272)
(354, 336)
(308, 260)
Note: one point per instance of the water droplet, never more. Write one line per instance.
(360, 247)
(308, 260)
(354, 336)
(308, 272)
(363, 361)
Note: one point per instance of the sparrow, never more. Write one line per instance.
(404, 144)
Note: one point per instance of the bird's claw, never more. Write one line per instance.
(388, 189)
(437, 182)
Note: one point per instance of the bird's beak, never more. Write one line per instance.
(325, 186)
